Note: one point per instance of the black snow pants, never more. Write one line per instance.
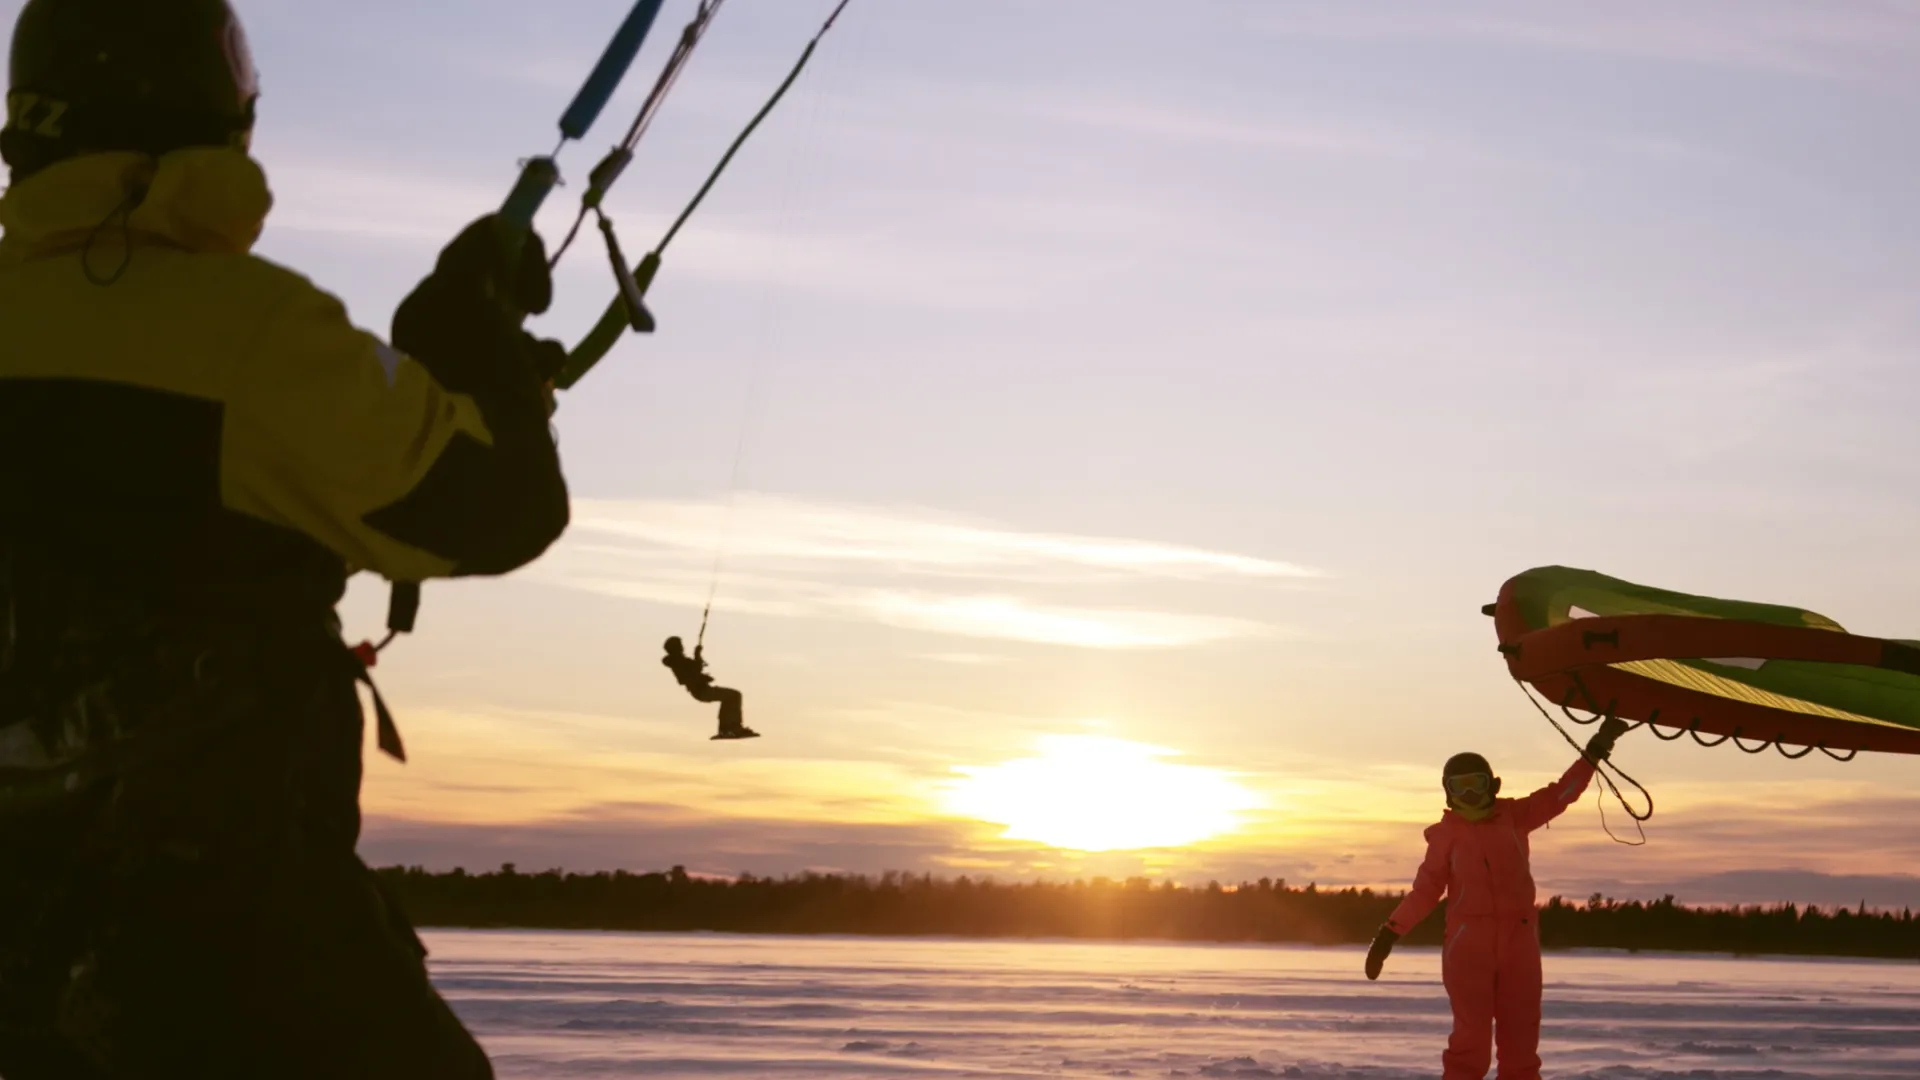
(193, 905)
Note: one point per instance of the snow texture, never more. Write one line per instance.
(576, 1005)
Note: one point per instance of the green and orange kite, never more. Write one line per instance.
(1759, 674)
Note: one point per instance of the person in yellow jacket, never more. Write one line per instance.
(197, 449)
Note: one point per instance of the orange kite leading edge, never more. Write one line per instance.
(1755, 673)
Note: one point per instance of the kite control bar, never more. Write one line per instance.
(542, 174)
(633, 284)
(537, 180)
(539, 176)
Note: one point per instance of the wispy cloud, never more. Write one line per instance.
(381, 204)
(905, 567)
(988, 260)
(1857, 42)
(493, 767)
(1050, 178)
(1011, 618)
(968, 658)
(1726, 400)
(1347, 137)
(903, 538)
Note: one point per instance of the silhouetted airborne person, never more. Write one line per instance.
(197, 448)
(691, 672)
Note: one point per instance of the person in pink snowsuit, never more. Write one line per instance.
(1477, 855)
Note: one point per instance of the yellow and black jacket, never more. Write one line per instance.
(208, 428)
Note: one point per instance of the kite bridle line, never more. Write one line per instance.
(1653, 719)
(1600, 768)
(1599, 713)
(539, 176)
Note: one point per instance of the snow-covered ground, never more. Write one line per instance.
(551, 1005)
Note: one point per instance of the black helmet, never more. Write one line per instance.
(88, 76)
(1465, 763)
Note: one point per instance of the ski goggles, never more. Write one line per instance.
(1477, 783)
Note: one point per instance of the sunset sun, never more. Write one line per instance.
(1092, 793)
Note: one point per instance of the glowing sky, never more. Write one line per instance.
(1175, 375)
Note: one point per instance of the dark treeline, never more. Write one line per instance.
(1264, 910)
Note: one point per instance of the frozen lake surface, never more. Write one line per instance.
(553, 1005)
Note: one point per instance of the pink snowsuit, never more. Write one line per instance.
(1491, 964)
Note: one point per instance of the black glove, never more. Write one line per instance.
(476, 263)
(463, 322)
(1382, 945)
(1601, 744)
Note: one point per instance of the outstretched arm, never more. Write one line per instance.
(1429, 883)
(1551, 801)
